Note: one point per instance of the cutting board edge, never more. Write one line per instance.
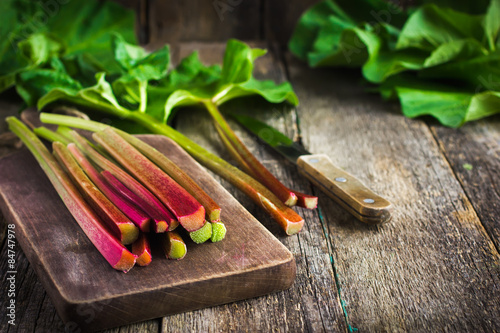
(111, 318)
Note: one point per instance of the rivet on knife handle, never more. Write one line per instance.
(344, 188)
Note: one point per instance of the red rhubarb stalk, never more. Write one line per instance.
(113, 251)
(159, 216)
(118, 223)
(162, 218)
(189, 212)
(134, 213)
(212, 209)
(142, 250)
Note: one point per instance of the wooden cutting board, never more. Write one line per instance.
(90, 295)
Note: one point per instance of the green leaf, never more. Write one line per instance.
(491, 24)
(431, 26)
(451, 108)
(191, 73)
(191, 82)
(34, 84)
(100, 97)
(270, 91)
(138, 63)
(238, 62)
(479, 73)
(456, 50)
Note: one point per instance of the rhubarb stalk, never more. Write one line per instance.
(118, 223)
(286, 217)
(189, 212)
(134, 213)
(142, 250)
(163, 218)
(251, 164)
(203, 234)
(159, 216)
(212, 209)
(113, 251)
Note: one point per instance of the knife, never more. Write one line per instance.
(341, 186)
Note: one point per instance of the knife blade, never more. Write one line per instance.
(338, 184)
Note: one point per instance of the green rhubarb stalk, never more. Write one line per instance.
(66, 132)
(251, 164)
(212, 209)
(189, 212)
(163, 219)
(142, 250)
(203, 234)
(119, 224)
(49, 135)
(286, 217)
(135, 214)
(173, 245)
(110, 248)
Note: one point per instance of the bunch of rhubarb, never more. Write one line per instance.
(121, 191)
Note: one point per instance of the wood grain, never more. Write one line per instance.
(473, 152)
(173, 22)
(434, 267)
(89, 294)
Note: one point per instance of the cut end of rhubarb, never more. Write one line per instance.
(161, 226)
(292, 200)
(214, 215)
(144, 259)
(126, 261)
(142, 250)
(203, 234)
(129, 233)
(306, 200)
(293, 228)
(194, 221)
(218, 232)
(173, 224)
(287, 218)
(173, 245)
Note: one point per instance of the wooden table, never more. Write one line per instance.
(434, 267)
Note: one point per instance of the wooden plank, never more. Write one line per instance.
(172, 22)
(433, 268)
(281, 17)
(86, 291)
(312, 303)
(474, 154)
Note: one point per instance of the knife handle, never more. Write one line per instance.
(345, 189)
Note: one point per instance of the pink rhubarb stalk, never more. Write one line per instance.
(162, 218)
(189, 212)
(158, 215)
(134, 213)
(118, 223)
(113, 251)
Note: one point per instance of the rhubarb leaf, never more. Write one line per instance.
(100, 96)
(235, 80)
(447, 48)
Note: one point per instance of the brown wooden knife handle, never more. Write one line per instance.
(344, 188)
